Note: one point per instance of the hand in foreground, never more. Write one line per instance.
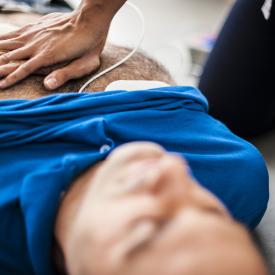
(140, 212)
(54, 39)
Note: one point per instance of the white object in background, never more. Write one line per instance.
(175, 57)
(128, 56)
(73, 3)
(266, 8)
(135, 85)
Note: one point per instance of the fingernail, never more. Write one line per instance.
(51, 83)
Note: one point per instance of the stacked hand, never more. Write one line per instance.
(56, 38)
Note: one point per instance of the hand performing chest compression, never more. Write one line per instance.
(49, 42)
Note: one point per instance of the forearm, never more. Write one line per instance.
(106, 8)
(42, 44)
(65, 233)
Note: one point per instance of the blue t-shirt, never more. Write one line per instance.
(46, 143)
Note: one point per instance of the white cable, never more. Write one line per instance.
(127, 57)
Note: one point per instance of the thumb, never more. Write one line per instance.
(76, 69)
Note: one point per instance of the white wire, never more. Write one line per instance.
(127, 57)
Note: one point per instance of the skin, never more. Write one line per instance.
(41, 44)
(139, 67)
(142, 212)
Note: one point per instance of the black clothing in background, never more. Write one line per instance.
(239, 76)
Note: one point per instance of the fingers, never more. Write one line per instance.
(9, 35)
(77, 69)
(19, 54)
(21, 72)
(9, 68)
(10, 44)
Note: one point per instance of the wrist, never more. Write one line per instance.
(103, 10)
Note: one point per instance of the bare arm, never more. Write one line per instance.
(78, 37)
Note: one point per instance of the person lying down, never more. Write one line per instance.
(125, 182)
(32, 87)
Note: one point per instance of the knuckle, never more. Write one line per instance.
(97, 63)
(63, 76)
(12, 78)
(17, 42)
(93, 65)
(5, 58)
(25, 69)
(47, 53)
(83, 69)
(22, 38)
